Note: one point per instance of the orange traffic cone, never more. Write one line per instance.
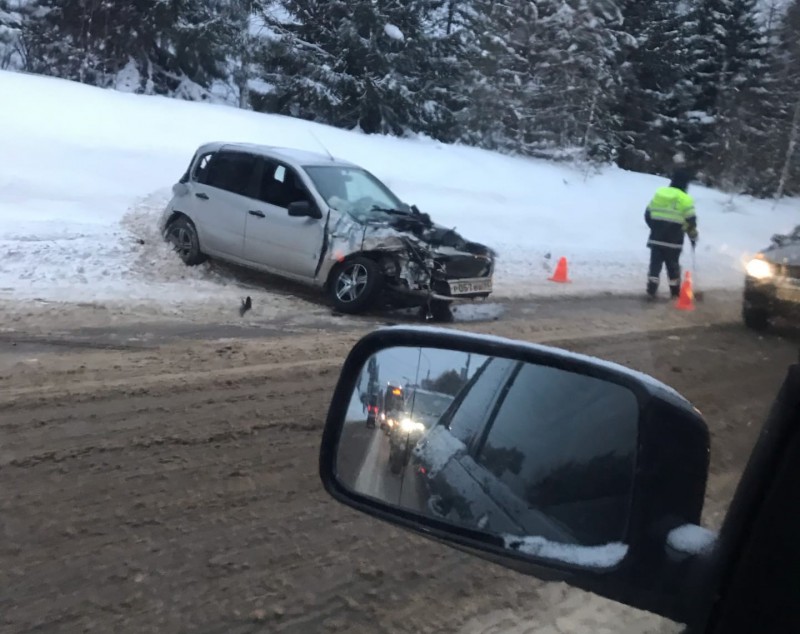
(686, 298)
(561, 276)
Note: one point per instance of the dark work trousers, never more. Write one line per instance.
(660, 256)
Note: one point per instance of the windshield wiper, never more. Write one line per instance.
(386, 210)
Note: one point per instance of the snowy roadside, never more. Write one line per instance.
(92, 170)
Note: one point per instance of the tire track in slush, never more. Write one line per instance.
(192, 501)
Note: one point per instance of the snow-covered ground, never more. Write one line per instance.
(85, 173)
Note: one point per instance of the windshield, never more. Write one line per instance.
(354, 190)
(428, 404)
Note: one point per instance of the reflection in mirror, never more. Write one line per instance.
(537, 456)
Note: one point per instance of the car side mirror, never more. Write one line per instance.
(554, 464)
(304, 209)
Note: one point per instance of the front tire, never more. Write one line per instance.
(355, 284)
(756, 319)
(182, 235)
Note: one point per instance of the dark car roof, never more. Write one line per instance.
(787, 253)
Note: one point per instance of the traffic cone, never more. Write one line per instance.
(561, 276)
(686, 298)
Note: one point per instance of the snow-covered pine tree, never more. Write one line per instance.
(729, 69)
(13, 14)
(499, 37)
(576, 47)
(656, 92)
(446, 72)
(786, 133)
(734, 102)
(350, 63)
(172, 47)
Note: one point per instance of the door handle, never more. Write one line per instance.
(202, 196)
(258, 214)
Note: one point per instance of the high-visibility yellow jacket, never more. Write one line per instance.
(670, 215)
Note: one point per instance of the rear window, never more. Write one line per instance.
(231, 171)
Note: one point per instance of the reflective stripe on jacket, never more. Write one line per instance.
(669, 215)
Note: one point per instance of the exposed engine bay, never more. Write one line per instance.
(417, 257)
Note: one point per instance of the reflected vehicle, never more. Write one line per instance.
(423, 409)
(372, 410)
(499, 445)
(393, 407)
(528, 450)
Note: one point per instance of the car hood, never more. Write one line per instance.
(396, 231)
(785, 254)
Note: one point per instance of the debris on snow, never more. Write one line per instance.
(247, 304)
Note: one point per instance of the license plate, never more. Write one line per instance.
(466, 287)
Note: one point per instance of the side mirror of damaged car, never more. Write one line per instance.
(553, 464)
(304, 209)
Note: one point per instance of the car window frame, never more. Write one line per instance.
(447, 418)
(476, 448)
(196, 166)
(252, 182)
(262, 164)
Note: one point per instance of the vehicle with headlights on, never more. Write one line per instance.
(772, 285)
(392, 407)
(423, 410)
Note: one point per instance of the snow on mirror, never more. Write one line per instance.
(537, 456)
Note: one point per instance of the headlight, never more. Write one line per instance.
(759, 269)
(409, 426)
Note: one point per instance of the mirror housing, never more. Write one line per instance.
(180, 188)
(304, 209)
(669, 477)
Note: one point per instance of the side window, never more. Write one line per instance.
(573, 462)
(280, 186)
(201, 168)
(476, 407)
(231, 171)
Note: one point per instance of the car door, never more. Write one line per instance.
(223, 188)
(275, 239)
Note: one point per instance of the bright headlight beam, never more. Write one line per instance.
(407, 425)
(759, 269)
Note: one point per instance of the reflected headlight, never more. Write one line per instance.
(759, 269)
(409, 426)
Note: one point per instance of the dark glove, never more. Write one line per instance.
(693, 241)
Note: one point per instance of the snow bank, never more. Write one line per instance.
(87, 170)
(605, 556)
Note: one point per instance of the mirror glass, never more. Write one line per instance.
(539, 457)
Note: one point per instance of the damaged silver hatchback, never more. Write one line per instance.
(323, 222)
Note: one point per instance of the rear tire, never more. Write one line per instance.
(756, 319)
(182, 235)
(355, 284)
